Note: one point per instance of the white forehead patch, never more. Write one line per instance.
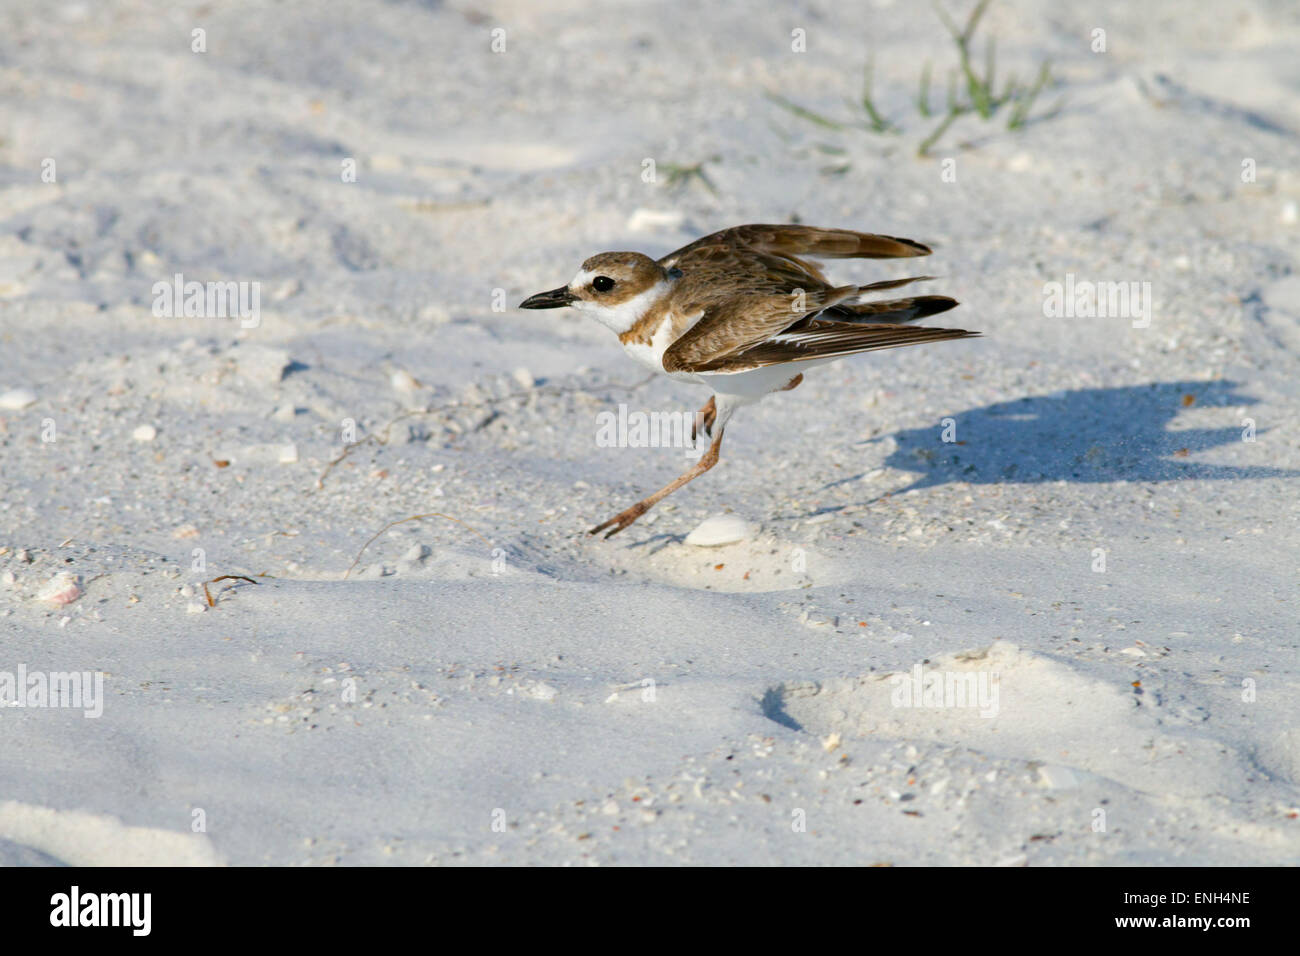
(582, 278)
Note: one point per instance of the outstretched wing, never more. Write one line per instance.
(790, 242)
(820, 339)
(750, 283)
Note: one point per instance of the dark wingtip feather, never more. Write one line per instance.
(893, 312)
(920, 248)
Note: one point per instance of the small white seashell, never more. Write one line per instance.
(288, 454)
(145, 433)
(719, 530)
(16, 399)
(403, 381)
(60, 590)
(524, 378)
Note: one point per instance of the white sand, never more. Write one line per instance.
(543, 697)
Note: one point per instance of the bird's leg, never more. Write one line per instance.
(705, 418)
(793, 383)
(625, 518)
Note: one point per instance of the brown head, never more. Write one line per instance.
(616, 288)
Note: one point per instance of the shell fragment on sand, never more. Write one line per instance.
(60, 590)
(16, 399)
(718, 530)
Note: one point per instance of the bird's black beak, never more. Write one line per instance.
(554, 299)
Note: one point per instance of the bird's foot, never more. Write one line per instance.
(704, 419)
(621, 520)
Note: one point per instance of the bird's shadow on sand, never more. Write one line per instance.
(1082, 435)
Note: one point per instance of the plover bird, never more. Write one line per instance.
(744, 313)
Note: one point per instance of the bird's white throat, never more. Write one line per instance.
(619, 318)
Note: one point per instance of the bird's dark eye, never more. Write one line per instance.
(602, 283)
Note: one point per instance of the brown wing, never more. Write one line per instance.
(736, 322)
(820, 338)
(789, 242)
(750, 283)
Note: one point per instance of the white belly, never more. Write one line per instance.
(751, 385)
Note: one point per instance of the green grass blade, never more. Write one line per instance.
(878, 122)
(924, 148)
(973, 21)
(804, 113)
(1025, 100)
